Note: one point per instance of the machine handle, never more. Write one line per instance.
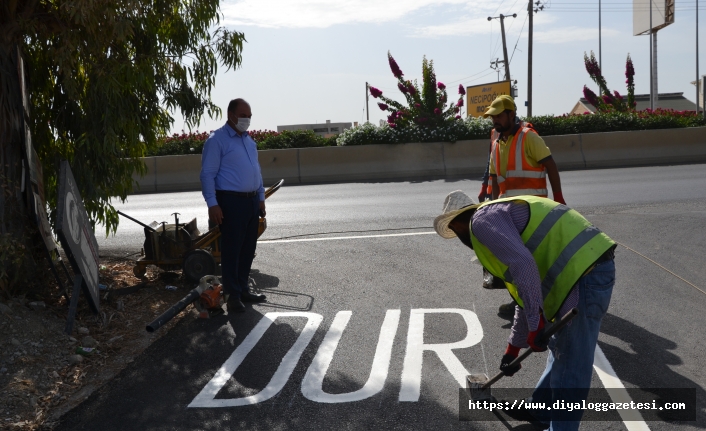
(548, 333)
(137, 221)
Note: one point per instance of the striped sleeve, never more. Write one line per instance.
(498, 228)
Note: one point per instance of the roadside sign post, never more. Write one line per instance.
(78, 241)
(479, 97)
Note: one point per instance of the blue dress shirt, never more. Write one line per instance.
(229, 162)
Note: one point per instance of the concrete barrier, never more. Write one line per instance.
(567, 151)
(279, 164)
(435, 160)
(465, 157)
(370, 162)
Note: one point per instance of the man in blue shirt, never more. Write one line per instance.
(231, 183)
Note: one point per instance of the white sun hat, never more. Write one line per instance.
(456, 202)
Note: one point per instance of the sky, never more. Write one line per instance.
(307, 61)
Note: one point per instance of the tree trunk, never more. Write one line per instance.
(17, 228)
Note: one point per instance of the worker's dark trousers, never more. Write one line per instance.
(238, 240)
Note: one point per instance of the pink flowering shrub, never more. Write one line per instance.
(609, 102)
(425, 106)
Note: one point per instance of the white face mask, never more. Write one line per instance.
(243, 124)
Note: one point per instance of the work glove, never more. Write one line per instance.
(510, 355)
(559, 198)
(482, 195)
(535, 339)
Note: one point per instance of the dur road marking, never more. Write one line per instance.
(206, 398)
(312, 382)
(314, 378)
(412, 371)
(410, 388)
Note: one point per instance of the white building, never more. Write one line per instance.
(326, 129)
(675, 101)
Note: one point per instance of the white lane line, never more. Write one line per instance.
(265, 241)
(631, 418)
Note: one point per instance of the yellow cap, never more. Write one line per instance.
(500, 104)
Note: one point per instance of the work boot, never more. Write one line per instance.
(235, 305)
(252, 297)
(492, 282)
(507, 309)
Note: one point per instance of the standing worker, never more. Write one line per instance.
(231, 184)
(518, 239)
(520, 161)
(486, 193)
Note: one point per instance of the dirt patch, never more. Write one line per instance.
(44, 372)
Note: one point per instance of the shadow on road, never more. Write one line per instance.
(649, 365)
(277, 298)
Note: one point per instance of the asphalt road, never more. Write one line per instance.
(377, 332)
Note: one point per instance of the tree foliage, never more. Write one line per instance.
(105, 77)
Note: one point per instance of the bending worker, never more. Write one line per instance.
(551, 260)
(520, 161)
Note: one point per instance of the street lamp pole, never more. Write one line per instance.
(600, 63)
(698, 82)
(652, 65)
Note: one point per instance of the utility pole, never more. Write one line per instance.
(600, 63)
(652, 65)
(530, 11)
(367, 110)
(655, 82)
(698, 81)
(502, 30)
(507, 63)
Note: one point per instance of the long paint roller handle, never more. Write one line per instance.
(551, 331)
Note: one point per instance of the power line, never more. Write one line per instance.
(518, 38)
(498, 8)
(490, 73)
(451, 82)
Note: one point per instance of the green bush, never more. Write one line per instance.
(295, 139)
(469, 128)
(546, 125)
(179, 144)
(192, 143)
(615, 122)
(465, 129)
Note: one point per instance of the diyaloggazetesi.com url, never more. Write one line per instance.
(571, 406)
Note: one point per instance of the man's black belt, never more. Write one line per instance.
(242, 194)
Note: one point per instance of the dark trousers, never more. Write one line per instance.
(238, 240)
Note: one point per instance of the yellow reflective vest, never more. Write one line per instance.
(564, 245)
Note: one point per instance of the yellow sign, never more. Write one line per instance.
(479, 97)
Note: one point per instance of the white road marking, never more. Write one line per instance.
(206, 398)
(412, 368)
(632, 418)
(275, 241)
(314, 378)
(482, 350)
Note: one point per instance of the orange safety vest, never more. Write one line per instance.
(520, 177)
